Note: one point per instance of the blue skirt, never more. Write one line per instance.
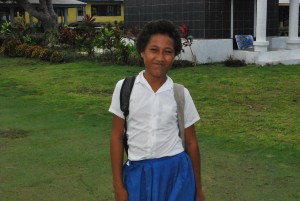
(164, 179)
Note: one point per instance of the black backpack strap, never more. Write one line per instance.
(124, 104)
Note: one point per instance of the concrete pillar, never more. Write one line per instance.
(261, 44)
(12, 16)
(231, 18)
(293, 41)
(66, 20)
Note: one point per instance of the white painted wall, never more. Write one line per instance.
(277, 43)
(285, 1)
(218, 50)
(209, 50)
(286, 57)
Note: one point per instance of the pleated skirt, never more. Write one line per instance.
(164, 179)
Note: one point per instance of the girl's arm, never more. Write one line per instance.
(192, 149)
(117, 157)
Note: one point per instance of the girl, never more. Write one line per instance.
(158, 166)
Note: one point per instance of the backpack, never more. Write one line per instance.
(125, 99)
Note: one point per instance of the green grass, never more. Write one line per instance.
(55, 128)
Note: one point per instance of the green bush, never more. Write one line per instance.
(6, 28)
(15, 48)
(9, 46)
(20, 50)
(36, 51)
(56, 57)
(33, 51)
(231, 62)
(28, 51)
(45, 54)
(182, 63)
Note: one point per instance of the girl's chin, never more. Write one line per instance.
(157, 74)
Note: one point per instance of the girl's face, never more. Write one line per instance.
(158, 55)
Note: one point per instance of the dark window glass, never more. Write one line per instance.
(59, 12)
(106, 10)
(80, 11)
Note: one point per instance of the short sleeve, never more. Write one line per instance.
(115, 100)
(191, 114)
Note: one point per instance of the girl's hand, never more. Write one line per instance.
(200, 194)
(121, 194)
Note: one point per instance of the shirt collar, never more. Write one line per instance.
(166, 86)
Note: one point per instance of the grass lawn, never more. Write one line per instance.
(55, 128)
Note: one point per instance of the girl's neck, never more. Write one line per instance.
(155, 82)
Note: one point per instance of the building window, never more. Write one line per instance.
(80, 11)
(59, 12)
(106, 10)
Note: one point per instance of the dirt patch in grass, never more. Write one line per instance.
(86, 90)
(13, 133)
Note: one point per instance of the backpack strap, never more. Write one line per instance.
(124, 104)
(180, 101)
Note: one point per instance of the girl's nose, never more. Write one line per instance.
(160, 56)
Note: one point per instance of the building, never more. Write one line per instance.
(209, 19)
(105, 10)
(284, 17)
(66, 11)
(215, 24)
(69, 11)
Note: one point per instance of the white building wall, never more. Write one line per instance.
(285, 1)
(209, 51)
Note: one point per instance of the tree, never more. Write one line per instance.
(44, 12)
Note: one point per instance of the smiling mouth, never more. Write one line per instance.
(159, 64)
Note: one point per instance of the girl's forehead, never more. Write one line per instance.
(161, 38)
(160, 35)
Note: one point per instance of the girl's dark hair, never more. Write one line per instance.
(158, 27)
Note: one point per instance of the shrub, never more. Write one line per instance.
(182, 63)
(8, 47)
(36, 51)
(134, 58)
(45, 54)
(231, 62)
(21, 28)
(28, 51)
(188, 41)
(71, 55)
(2, 39)
(33, 51)
(29, 39)
(6, 28)
(56, 57)
(122, 53)
(20, 50)
(67, 35)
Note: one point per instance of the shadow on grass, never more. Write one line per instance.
(13, 133)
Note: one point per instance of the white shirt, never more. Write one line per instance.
(152, 128)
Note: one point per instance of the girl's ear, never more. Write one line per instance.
(142, 55)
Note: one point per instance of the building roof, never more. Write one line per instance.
(61, 2)
(55, 2)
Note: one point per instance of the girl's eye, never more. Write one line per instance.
(168, 51)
